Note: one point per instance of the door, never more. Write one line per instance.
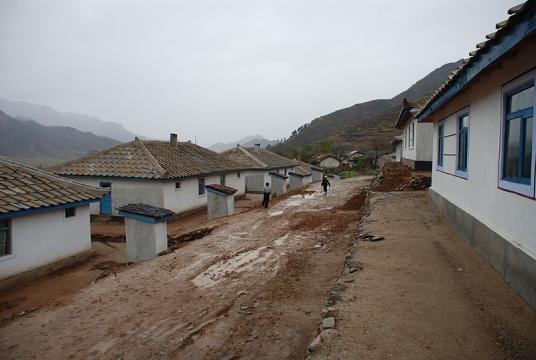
(106, 200)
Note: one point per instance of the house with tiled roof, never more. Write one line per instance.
(168, 174)
(326, 161)
(44, 219)
(259, 163)
(484, 149)
(416, 145)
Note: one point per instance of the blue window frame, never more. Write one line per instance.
(463, 144)
(412, 135)
(222, 179)
(518, 149)
(518, 127)
(440, 144)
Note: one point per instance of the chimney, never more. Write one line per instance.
(257, 147)
(173, 139)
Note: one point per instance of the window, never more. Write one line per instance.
(440, 144)
(201, 183)
(5, 238)
(70, 212)
(222, 179)
(406, 138)
(412, 135)
(517, 166)
(238, 175)
(178, 185)
(463, 144)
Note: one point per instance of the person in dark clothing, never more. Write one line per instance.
(267, 191)
(325, 184)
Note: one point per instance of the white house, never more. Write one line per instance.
(416, 147)
(44, 219)
(484, 153)
(169, 175)
(327, 161)
(258, 164)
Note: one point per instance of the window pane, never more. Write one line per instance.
(521, 100)
(464, 122)
(462, 152)
(4, 242)
(4, 224)
(527, 153)
(201, 186)
(513, 128)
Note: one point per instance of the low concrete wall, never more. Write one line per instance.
(515, 266)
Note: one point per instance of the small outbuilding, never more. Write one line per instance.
(327, 161)
(278, 183)
(220, 200)
(300, 176)
(146, 230)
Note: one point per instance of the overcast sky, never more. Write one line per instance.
(221, 70)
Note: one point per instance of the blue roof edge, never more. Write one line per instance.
(501, 47)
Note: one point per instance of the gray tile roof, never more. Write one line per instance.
(25, 188)
(227, 190)
(147, 210)
(252, 158)
(150, 159)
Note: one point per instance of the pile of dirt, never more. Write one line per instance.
(109, 268)
(392, 177)
(356, 202)
(334, 220)
(117, 238)
(176, 241)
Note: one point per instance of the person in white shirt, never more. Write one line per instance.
(267, 191)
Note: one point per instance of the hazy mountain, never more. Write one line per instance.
(48, 116)
(32, 143)
(361, 125)
(248, 141)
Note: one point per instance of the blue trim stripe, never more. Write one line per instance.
(45, 209)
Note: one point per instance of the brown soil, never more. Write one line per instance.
(423, 293)
(251, 288)
(393, 176)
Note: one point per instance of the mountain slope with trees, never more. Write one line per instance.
(364, 126)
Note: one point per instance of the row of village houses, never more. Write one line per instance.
(45, 215)
(476, 135)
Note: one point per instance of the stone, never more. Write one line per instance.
(328, 323)
(317, 246)
(313, 346)
(329, 311)
(327, 334)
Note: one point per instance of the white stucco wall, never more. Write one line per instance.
(161, 193)
(422, 148)
(145, 240)
(44, 238)
(330, 163)
(127, 191)
(509, 214)
(316, 175)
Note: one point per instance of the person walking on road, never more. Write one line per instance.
(267, 191)
(325, 184)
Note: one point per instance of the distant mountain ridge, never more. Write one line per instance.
(362, 125)
(248, 141)
(45, 115)
(35, 144)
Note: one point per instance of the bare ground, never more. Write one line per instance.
(423, 293)
(253, 288)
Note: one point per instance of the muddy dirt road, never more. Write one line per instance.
(423, 293)
(253, 288)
